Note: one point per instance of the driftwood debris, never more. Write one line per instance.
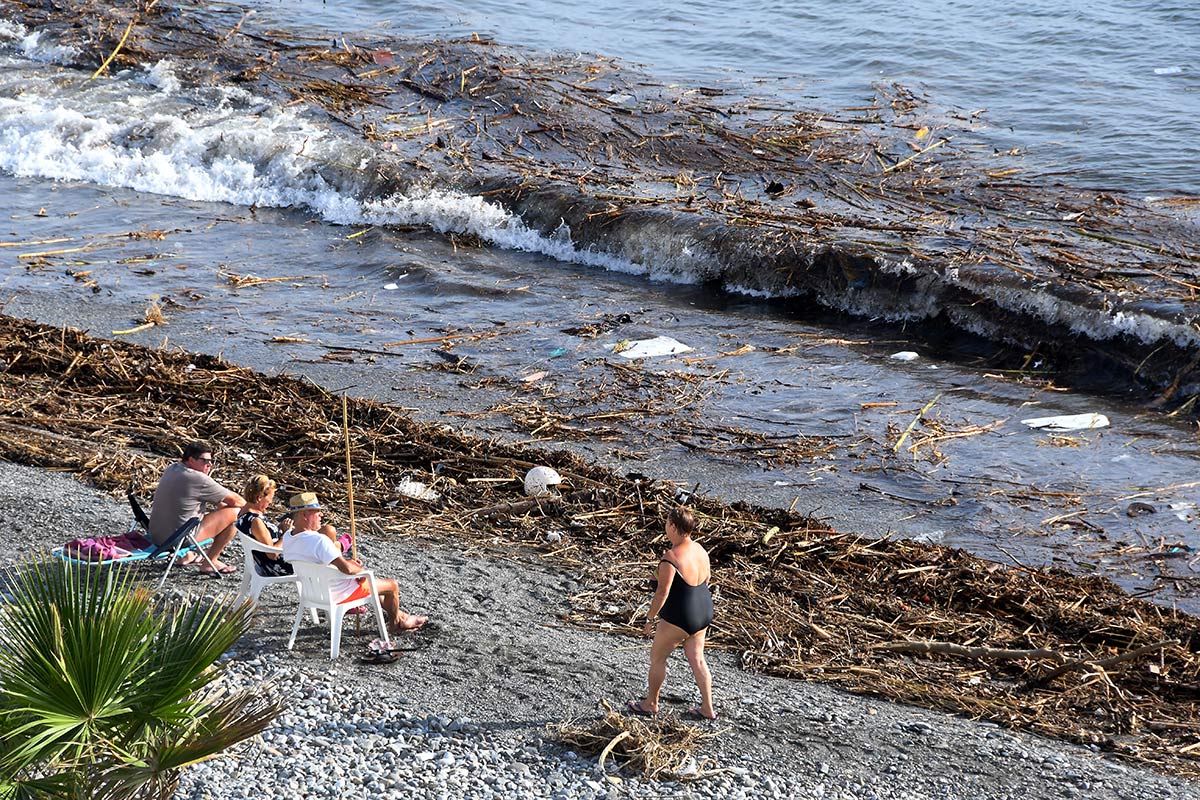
(796, 599)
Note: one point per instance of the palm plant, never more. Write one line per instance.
(105, 693)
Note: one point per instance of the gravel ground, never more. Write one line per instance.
(464, 713)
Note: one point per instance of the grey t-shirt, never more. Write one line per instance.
(181, 495)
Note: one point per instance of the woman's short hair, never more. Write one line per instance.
(683, 520)
(257, 488)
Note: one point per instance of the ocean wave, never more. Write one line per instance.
(148, 130)
(240, 149)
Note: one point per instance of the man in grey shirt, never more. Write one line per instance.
(184, 489)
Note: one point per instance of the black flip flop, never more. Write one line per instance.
(635, 707)
(385, 657)
(694, 713)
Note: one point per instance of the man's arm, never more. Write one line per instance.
(347, 565)
(232, 500)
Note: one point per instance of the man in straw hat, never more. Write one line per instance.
(305, 542)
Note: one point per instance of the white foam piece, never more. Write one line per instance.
(904, 355)
(649, 348)
(417, 490)
(1068, 422)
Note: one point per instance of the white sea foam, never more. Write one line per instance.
(32, 46)
(225, 145)
(264, 156)
(162, 74)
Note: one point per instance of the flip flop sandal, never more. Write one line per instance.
(383, 657)
(635, 707)
(694, 714)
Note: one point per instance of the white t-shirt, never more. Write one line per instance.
(317, 548)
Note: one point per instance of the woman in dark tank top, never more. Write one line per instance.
(683, 605)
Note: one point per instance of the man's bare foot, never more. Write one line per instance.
(409, 623)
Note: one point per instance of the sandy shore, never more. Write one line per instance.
(465, 713)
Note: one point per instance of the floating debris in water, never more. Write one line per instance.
(649, 348)
(1068, 422)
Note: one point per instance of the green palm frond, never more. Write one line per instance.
(232, 719)
(104, 692)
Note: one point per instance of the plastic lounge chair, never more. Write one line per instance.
(178, 543)
(316, 593)
(252, 582)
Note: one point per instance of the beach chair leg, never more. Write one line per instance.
(167, 571)
(335, 631)
(296, 624)
(192, 539)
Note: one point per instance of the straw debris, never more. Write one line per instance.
(795, 597)
(660, 748)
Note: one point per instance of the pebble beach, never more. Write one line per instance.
(468, 709)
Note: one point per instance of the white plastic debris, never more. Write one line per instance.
(904, 355)
(1183, 511)
(554, 537)
(417, 491)
(649, 348)
(1168, 70)
(391, 287)
(245, 457)
(1069, 422)
(619, 98)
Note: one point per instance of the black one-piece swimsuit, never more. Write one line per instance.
(688, 607)
(267, 567)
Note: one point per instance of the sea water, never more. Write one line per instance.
(1105, 93)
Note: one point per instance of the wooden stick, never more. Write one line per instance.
(350, 497)
(1103, 663)
(100, 69)
(141, 327)
(900, 164)
(608, 749)
(987, 653)
(349, 480)
(913, 424)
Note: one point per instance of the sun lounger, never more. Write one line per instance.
(105, 552)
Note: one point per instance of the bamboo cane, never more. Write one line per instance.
(350, 496)
(349, 480)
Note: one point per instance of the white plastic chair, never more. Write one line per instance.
(252, 582)
(316, 593)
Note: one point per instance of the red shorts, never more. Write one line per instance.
(363, 590)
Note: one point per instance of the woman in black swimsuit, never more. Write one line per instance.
(259, 494)
(683, 605)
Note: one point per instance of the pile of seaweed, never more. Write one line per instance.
(1064, 656)
(886, 210)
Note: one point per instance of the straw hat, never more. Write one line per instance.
(305, 501)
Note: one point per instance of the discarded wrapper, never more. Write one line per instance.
(1069, 422)
(649, 348)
